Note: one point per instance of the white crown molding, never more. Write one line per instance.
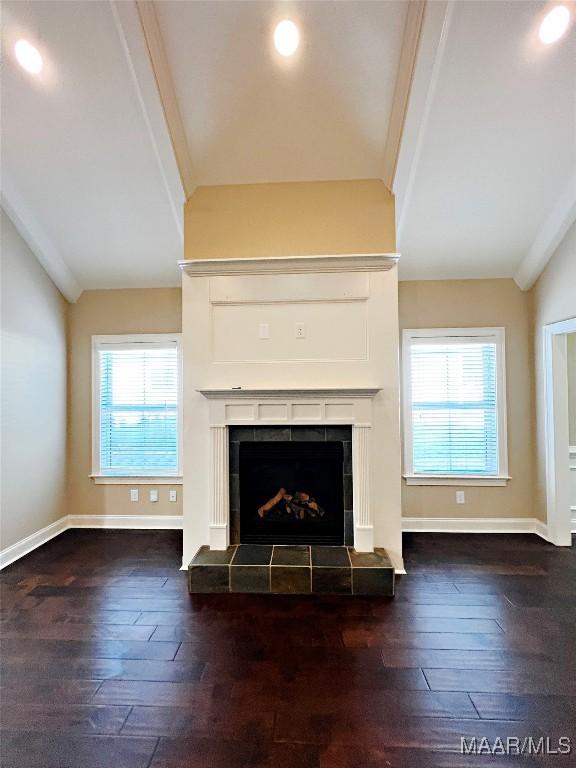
(290, 265)
(38, 241)
(549, 237)
(408, 53)
(133, 42)
(424, 82)
(153, 36)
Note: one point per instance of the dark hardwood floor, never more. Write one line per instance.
(107, 662)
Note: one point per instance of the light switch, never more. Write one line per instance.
(460, 497)
(300, 331)
(134, 496)
(172, 495)
(153, 495)
(264, 331)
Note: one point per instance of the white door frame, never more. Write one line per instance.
(557, 432)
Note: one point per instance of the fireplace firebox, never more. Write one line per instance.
(291, 492)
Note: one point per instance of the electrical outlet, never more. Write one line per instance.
(172, 495)
(300, 330)
(134, 495)
(153, 495)
(460, 497)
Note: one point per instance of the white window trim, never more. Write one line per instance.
(136, 338)
(456, 335)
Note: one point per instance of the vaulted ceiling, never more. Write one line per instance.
(138, 103)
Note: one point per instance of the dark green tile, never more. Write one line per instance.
(308, 433)
(272, 433)
(330, 556)
(332, 581)
(348, 527)
(250, 578)
(207, 556)
(373, 581)
(343, 434)
(240, 434)
(289, 580)
(234, 458)
(376, 559)
(209, 578)
(253, 554)
(348, 492)
(293, 555)
(347, 458)
(234, 491)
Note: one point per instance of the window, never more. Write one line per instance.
(136, 397)
(454, 407)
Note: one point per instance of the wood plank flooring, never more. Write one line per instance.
(107, 662)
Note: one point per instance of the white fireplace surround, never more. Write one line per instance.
(291, 407)
(246, 362)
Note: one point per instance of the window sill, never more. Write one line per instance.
(461, 480)
(137, 480)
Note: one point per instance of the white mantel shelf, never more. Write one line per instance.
(285, 265)
(274, 394)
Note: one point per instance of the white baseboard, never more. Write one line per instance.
(573, 510)
(134, 522)
(174, 522)
(475, 525)
(35, 540)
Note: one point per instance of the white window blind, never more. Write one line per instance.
(454, 419)
(138, 408)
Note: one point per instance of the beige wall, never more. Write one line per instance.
(470, 303)
(290, 219)
(33, 429)
(553, 299)
(156, 310)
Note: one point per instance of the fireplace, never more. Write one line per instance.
(311, 465)
(291, 492)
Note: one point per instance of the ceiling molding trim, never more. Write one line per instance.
(406, 64)
(431, 50)
(549, 237)
(39, 243)
(165, 83)
(133, 42)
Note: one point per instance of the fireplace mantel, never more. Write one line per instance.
(286, 265)
(274, 394)
(259, 407)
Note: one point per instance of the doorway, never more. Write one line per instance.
(560, 410)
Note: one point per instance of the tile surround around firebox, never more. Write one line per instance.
(291, 570)
(313, 433)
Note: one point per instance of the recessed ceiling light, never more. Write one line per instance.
(286, 38)
(28, 57)
(554, 24)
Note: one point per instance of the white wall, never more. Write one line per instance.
(33, 366)
(554, 299)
